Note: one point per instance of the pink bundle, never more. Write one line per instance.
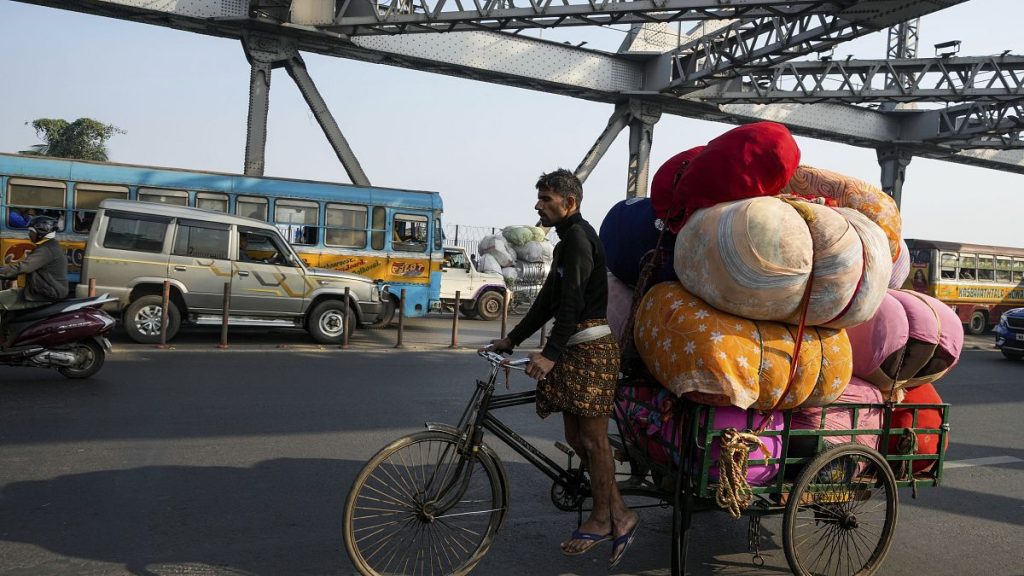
(732, 417)
(839, 418)
(913, 339)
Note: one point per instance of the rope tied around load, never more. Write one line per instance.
(733, 493)
(907, 445)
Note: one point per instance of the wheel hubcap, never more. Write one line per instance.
(147, 320)
(332, 323)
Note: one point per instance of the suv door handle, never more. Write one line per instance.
(181, 268)
(243, 272)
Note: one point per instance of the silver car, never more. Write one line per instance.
(134, 247)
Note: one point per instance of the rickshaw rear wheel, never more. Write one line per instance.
(841, 514)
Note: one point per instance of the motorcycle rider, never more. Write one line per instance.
(46, 268)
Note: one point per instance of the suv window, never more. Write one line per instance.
(133, 233)
(201, 241)
(261, 248)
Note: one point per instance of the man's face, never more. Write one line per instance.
(552, 207)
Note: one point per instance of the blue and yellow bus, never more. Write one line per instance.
(386, 234)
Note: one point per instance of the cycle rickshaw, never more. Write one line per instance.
(432, 502)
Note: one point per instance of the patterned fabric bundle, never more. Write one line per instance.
(913, 339)
(652, 425)
(850, 193)
(758, 255)
(713, 357)
(900, 267)
(628, 232)
(839, 418)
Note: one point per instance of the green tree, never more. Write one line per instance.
(83, 139)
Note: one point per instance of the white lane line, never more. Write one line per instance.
(990, 461)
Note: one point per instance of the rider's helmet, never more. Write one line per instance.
(42, 225)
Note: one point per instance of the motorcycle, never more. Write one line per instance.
(69, 335)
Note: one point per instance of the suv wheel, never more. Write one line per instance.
(327, 322)
(142, 319)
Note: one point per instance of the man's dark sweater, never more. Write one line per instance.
(575, 290)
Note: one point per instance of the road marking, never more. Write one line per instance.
(990, 461)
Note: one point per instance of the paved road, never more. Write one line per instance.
(197, 461)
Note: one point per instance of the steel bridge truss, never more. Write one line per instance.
(735, 67)
(983, 79)
(368, 17)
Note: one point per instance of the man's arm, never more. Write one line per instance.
(34, 261)
(537, 315)
(577, 265)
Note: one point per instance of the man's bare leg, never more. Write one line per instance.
(610, 515)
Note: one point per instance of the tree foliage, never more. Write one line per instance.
(83, 139)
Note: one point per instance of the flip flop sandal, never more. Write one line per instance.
(591, 538)
(625, 540)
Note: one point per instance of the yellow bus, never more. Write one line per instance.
(979, 282)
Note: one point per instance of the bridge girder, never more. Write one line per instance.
(521, 61)
(979, 79)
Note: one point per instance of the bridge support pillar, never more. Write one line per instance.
(640, 117)
(265, 53)
(894, 161)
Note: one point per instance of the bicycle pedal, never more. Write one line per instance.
(565, 449)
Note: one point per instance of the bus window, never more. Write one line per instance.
(212, 201)
(986, 264)
(297, 220)
(87, 200)
(380, 223)
(438, 234)
(251, 207)
(346, 226)
(947, 265)
(409, 233)
(1017, 275)
(174, 197)
(968, 267)
(28, 198)
(1003, 266)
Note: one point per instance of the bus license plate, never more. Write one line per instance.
(1020, 336)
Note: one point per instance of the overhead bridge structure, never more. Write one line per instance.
(743, 61)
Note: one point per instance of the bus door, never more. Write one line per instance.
(199, 260)
(265, 280)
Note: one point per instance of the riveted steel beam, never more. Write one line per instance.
(759, 42)
(983, 78)
(363, 17)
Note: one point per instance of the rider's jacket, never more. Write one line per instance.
(47, 270)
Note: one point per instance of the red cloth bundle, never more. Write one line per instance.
(756, 159)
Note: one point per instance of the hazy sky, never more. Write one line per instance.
(183, 98)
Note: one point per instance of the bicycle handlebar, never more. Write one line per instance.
(497, 359)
